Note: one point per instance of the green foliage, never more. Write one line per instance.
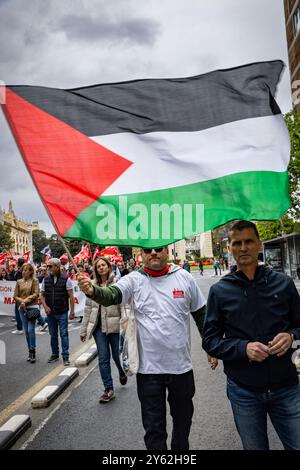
(290, 222)
(6, 242)
(39, 241)
(284, 226)
(293, 123)
(57, 248)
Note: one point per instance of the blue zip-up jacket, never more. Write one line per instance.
(241, 311)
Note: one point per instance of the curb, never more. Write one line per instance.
(54, 388)
(86, 357)
(13, 429)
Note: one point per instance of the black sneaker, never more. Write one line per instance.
(53, 358)
(32, 358)
(66, 361)
(123, 379)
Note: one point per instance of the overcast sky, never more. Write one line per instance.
(83, 42)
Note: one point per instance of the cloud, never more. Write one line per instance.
(140, 31)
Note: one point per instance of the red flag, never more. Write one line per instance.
(4, 256)
(64, 258)
(25, 256)
(109, 251)
(97, 253)
(84, 254)
(87, 252)
(117, 259)
(47, 257)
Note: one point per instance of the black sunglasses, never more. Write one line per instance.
(50, 266)
(149, 250)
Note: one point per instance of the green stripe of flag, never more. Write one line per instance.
(131, 219)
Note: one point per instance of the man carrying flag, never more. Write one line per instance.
(164, 296)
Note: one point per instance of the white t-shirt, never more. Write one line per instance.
(162, 307)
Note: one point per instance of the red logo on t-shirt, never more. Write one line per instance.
(178, 294)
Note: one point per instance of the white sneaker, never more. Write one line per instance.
(44, 327)
(17, 332)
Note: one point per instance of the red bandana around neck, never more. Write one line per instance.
(153, 273)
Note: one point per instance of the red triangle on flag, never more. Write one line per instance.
(69, 169)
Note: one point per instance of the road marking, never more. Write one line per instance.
(22, 399)
(40, 333)
(7, 331)
(45, 421)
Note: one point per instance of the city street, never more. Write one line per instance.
(77, 421)
(17, 376)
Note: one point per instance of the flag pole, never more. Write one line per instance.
(69, 254)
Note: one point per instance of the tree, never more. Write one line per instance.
(290, 221)
(292, 120)
(39, 241)
(6, 242)
(57, 248)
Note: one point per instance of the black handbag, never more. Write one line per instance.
(32, 313)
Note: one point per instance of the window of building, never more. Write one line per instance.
(296, 21)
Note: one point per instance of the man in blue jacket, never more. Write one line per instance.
(252, 319)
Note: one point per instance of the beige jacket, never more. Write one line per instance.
(27, 292)
(110, 316)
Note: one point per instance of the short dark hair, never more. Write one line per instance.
(242, 225)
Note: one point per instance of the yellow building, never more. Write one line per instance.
(20, 231)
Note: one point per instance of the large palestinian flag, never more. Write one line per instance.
(148, 162)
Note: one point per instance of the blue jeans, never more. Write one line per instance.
(29, 328)
(41, 320)
(105, 343)
(152, 390)
(18, 318)
(250, 410)
(54, 322)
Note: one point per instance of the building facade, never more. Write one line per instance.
(292, 19)
(177, 251)
(20, 231)
(202, 244)
(283, 254)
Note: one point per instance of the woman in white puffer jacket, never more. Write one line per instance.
(104, 324)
